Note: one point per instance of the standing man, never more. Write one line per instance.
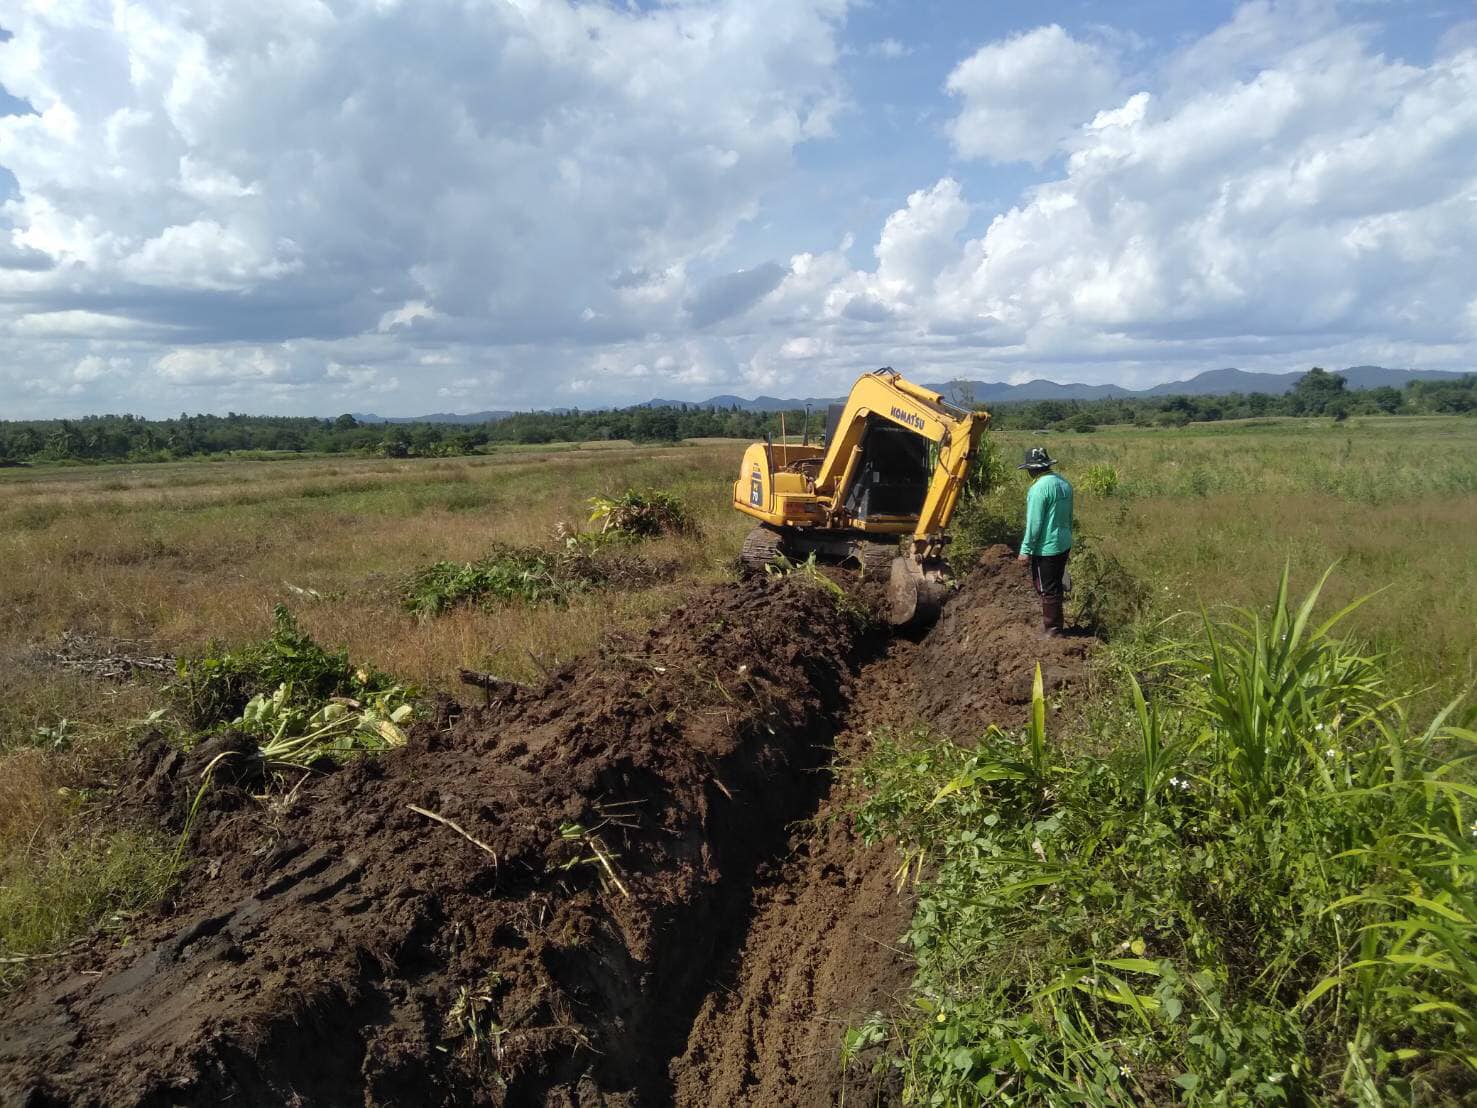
(1048, 537)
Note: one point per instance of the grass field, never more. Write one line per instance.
(166, 558)
(1210, 513)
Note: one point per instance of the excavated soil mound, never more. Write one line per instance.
(341, 947)
(976, 666)
(633, 886)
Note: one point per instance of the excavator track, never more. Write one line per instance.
(762, 547)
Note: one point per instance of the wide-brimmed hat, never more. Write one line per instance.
(1037, 458)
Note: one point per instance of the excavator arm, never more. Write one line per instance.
(886, 396)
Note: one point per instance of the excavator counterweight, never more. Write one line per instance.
(879, 494)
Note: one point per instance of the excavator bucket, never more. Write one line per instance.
(915, 595)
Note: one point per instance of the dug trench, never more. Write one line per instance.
(635, 885)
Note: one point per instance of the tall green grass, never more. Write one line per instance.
(88, 881)
(1263, 895)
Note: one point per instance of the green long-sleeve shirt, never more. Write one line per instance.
(1048, 516)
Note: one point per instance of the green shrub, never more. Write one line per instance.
(530, 575)
(988, 471)
(999, 517)
(1107, 598)
(215, 687)
(507, 574)
(1266, 895)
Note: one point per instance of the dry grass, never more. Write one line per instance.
(203, 552)
(210, 560)
(32, 805)
(179, 555)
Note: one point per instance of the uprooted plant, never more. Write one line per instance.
(215, 686)
(300, 705)
(292, 735)
(642, 514)
(810, 573)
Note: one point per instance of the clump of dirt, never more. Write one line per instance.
(520, 908)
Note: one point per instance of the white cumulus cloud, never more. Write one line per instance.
(1311, 199)
(1022, 97)
(263, 173)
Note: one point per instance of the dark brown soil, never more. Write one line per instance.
(335, 946)
(977, 664)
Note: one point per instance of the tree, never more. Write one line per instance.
(1315, 391)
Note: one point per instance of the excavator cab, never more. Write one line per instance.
(892, 477)
(877, 495)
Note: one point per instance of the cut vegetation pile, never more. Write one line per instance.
(524, 903)
(576, 563)
(532, 575)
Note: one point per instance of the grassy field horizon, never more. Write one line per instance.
(167, 558)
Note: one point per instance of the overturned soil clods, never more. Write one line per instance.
(602, 891)
(539, 930)
(977, 665)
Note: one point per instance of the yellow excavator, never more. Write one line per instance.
(894, 461)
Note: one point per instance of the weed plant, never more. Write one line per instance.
(1266, 895)
(642, 514)
(216, 686)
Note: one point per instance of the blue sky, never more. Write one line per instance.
(311, 207)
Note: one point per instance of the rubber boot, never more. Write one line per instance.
(1051, 616)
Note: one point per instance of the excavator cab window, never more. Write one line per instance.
(892, 479)
(833, 417)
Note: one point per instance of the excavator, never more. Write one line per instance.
(894, 461)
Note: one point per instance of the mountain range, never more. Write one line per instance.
(1214, 382)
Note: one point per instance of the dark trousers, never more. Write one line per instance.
(1048, 572)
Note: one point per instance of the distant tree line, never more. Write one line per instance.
(119, 438)
(129, 438)
(1317, 393)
